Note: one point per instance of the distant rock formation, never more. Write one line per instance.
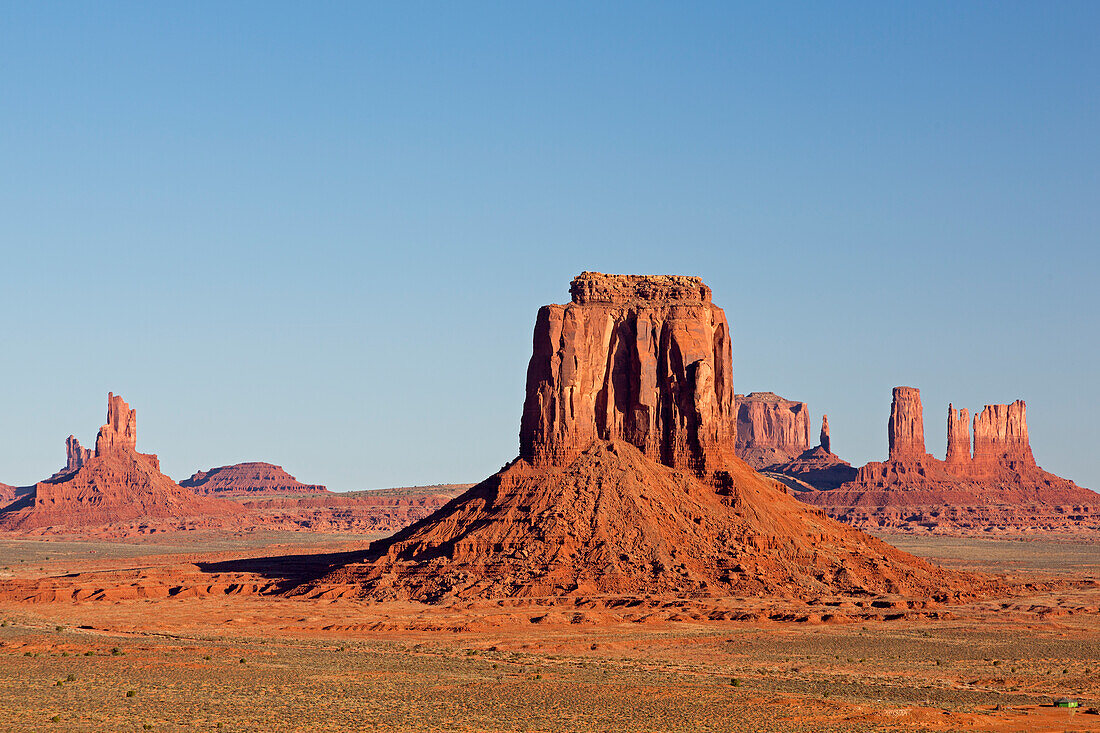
(248, 479)
(771, 429)
(75, 457)
(117, 484)
(646, 360)
(627, 482)
(121, 428)
(826, 442)
(906, 426)
(958, 438)
(1000, 484)
(1000, 436)
(7, 494)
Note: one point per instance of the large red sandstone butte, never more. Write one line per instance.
(999, 488)
(771, 429)
(248, 479)
(117, 484)
(645, 360)
(627, 482)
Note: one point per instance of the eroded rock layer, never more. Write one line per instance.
(646, 360)
(243, 479)
(998, 487)
(771, 429)
(627, 482)
(117, 484)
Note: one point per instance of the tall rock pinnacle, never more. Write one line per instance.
(637, 358)
(121, 428)
(906, 427)
(958, 436)
(826, 443)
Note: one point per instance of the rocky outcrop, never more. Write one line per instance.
(116, 485)
(771, 429)
(1000, 435)
(627, 483)
(1000, 484)
(121, 428)
(906, 426)
(75, 457)
(248, 479)
(958, 438)
(825, 440)
(817, 467)
(645, 360)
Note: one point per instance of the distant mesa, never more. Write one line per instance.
(998, 486)
(115, 484)
(248, 479)
(627, 480)
(773, 436)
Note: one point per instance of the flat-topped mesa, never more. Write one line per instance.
(824, 438)
(1000, 435)
(121, 428)
(958, 437)
(906, 426)
(642, 359)
(771, 429)
(596, 287)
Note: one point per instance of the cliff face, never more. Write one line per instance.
(1000, 435)
(1000, 480)
(121, 428)
(75, 457)
(958, 437)
(771, 429)
(906, 426)
(645, 360)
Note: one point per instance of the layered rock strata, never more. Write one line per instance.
(645, 360)
(627, 483)
(999, 486)
(771, 429)
(248, 479)
(115, 485)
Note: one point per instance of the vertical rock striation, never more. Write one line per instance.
(642, 359)
(958, 437)
(771, 429)
(906, 426)
(121, 427)
(1000, 435)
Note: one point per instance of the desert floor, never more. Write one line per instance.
(165, 633)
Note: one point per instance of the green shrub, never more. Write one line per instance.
(130, 693)
(735, 682)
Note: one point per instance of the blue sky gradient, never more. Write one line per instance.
(317, 234)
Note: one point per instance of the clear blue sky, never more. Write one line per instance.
(318, 234)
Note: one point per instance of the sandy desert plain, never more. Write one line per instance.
(173, 633)
(656, 558)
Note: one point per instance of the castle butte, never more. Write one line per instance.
(114, 484)
(627, 481)
(996, 487)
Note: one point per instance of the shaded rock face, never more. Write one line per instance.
(958, 437)
(1000, 435)
(771, 429)
(906, 426)
(121, 428)
(826, 442)
(248, 479)
(645, 360)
